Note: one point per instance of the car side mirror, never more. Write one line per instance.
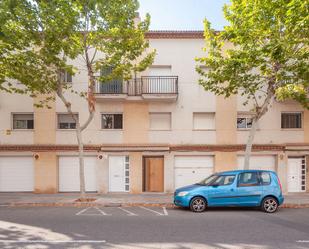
(215, 185)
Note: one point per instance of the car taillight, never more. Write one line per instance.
(279, 184)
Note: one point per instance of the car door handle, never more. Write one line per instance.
(232, 189)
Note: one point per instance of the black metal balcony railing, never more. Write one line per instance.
(140, 86)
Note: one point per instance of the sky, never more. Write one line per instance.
(183, 14)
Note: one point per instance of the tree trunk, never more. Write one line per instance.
(81, 161)
(250, 143)
(260, 111)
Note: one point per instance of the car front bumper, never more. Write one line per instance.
(182, 201)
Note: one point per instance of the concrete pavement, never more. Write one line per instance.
(116, 199)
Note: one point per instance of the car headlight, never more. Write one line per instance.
(183, 193)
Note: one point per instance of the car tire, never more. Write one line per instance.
(269, 205)
(198, 204)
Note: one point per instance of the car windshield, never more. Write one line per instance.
(218, 180)
(208, 180)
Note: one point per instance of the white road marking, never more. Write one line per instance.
(101, 211)
(302, 241)
(152, 211)
(82, 211)
(129, 213)
(165, 211)
(52, 241)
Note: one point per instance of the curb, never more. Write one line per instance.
(93, 204)
(89, 204)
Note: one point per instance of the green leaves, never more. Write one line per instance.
(265, 46)
(38, 39)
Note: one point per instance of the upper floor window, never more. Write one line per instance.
(66, 121)
(203, 121)
(244, 121)
(291, 120)
(112, 121)
(65, 76)
(23, 121)
(160, 121)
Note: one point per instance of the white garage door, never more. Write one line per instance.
(258, 162)
(192, 169)
(16, 174)
(69, 174)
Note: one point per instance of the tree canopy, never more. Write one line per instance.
(38, 38)
(269, 54)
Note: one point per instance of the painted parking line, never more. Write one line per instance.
(302, 241)
(129, 213)
(98, 212)
(50, 241)
(156, 212)
(101, 211)
(165, 211)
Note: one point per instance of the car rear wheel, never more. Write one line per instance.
(269, 205)
(198, 204)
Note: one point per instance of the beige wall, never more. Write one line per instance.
(226, 114)
(135, 122)
(136, 172)
(225, 161)
(44, 123)
(46, 173)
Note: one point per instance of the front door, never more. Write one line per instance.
(296, 174)
(153, 174)
(117, 174)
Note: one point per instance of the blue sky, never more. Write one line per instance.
(183, 14)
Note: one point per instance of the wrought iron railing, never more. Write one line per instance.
(139, 86)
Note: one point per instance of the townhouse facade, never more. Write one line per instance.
(154, 133)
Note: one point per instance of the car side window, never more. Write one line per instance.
(265, 178)
(224, 180)
(248, 179)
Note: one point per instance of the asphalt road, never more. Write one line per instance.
(138, 227)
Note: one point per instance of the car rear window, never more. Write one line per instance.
(265, 178)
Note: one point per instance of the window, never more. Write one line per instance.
(160, 121)
(111, 121)
(203, 121)
(244, 122)
(218, 180)
(248, 179)
(265, 178)
(111, 86)
(66, 121)
(66, 77)
(23, 121)
(223, 180)
(291, 120)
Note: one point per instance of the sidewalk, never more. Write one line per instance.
(146, 199)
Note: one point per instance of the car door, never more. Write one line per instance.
(249, 190)
(221, 191)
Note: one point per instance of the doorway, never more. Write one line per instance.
(153, 174)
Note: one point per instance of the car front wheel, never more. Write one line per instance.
(269, 205)
(198, 204)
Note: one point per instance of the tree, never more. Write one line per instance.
(269, 58)
(39, 38)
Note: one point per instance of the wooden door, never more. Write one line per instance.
(154, 174)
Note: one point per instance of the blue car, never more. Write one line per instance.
(239, 188)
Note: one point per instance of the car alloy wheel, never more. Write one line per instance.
(198, 204)
(270, 205)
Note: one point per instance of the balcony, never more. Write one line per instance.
(163, 88)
